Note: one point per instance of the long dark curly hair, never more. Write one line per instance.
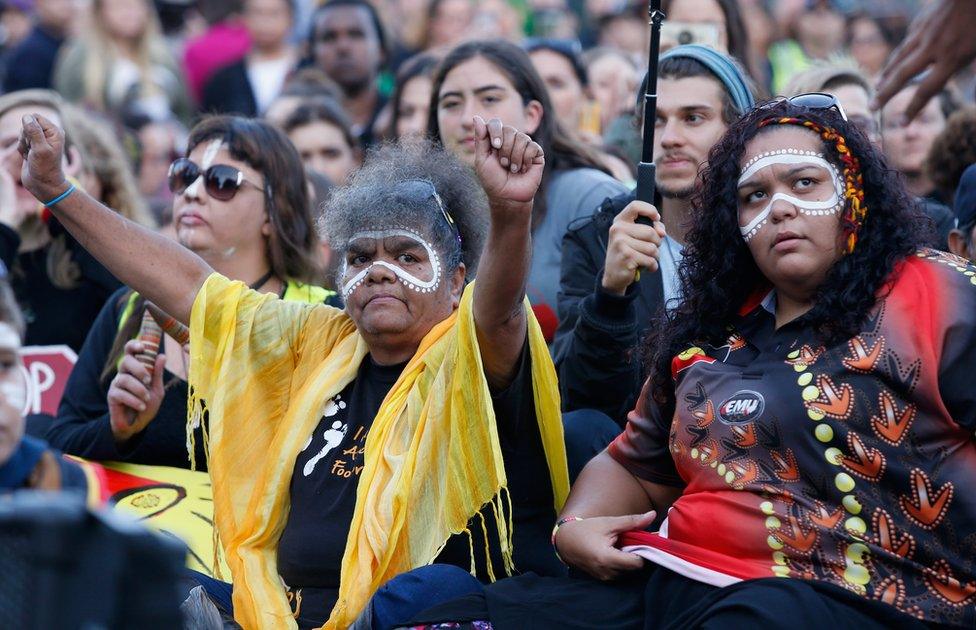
(718, 273)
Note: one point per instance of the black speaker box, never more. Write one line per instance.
(65, 566)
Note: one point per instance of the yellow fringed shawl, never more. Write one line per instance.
(265, 369)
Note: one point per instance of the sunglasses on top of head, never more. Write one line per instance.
(816, 101)
(220, 180)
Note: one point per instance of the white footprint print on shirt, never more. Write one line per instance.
(331, 408)
(333, 437)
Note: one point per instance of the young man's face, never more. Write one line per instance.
(13, 392)
(689, 121)
(347, 46)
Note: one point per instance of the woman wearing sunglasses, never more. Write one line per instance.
(241, 205)
(809, 414)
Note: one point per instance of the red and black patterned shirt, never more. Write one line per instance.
(853, 464)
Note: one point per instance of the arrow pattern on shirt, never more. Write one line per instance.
(864, 356)
(891, 423)
(924, 506)
(865, 462)
(947, 586)
(834, 401)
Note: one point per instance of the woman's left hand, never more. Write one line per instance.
(508, 163)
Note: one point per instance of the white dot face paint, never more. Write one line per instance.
(791, 157)
(13, 378)
(209, 155)
(409, 280)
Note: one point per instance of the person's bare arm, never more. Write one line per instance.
(941, 39)
(157, 267)
(610, 501)
(509, 165)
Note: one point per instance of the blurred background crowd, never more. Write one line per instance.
(340, 77)
(141, 72)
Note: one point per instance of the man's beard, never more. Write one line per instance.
(675, 193)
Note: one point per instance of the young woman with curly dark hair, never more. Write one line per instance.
(720, 270)
(810, 412)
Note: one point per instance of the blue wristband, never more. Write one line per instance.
(60, 197)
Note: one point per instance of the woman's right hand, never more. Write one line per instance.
(134, 395)
(589, 544)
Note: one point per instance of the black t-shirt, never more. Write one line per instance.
(323, 491)
(55, 315)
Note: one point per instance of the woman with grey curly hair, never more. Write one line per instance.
(420, 425)
(396, 184)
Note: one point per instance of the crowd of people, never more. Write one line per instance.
(378, 268)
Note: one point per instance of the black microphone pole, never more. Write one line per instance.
(646, 168)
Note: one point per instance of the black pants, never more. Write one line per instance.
(659, 599)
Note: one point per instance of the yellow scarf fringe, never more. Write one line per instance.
(432, 456)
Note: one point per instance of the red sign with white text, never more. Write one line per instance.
(48, 369)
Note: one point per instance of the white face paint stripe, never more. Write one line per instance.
(791, 156)
(409, 280)
(15, 394)
(782, 158)
(807, 207)
(13, 390)
(209, 155)
(354, 282)
(9, 339)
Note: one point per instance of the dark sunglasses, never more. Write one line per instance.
(220, 180)
(818, 100)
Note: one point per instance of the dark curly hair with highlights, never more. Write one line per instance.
(718, 272)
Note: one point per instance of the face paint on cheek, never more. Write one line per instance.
(409, 280)
(209, 155)
(15, 394)
(13, 388)
(830, 206)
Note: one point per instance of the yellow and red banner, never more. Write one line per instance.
(174, 501)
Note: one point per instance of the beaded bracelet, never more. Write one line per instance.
(555, 529)
(60, 197)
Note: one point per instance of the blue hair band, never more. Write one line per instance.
(720, 65)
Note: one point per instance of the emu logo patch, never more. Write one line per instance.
(743, 406)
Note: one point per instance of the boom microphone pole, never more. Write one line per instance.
(646, 168)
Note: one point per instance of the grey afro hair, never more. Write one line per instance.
(368, 202)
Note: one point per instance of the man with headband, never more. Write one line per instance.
(603, 312)
(347, 447)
